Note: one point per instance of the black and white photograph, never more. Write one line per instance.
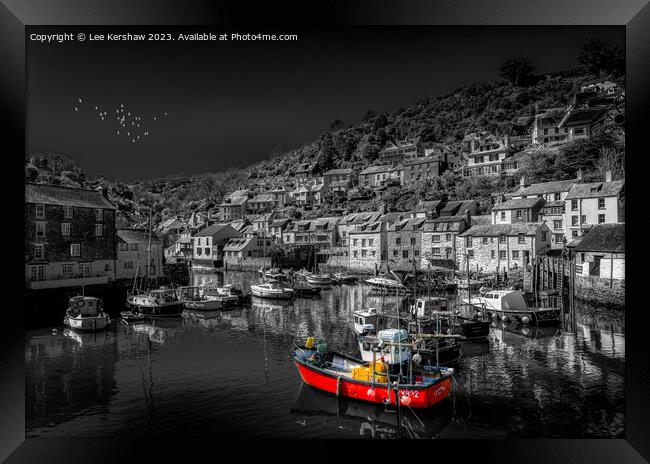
(325, 232)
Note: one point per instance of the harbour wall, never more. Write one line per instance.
(600, 291)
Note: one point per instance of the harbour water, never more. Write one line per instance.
(229, 374)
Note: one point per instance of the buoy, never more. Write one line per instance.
(54, 331)
(371, 392)
(405, 400)
(417, 358)
(494, 315)
(504, 318)
(525, 319)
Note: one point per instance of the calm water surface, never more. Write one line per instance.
(229, 373)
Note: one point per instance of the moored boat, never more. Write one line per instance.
(302, 288)
(364, 321)
(227, 295)
(85, 313)
(382, 282)
(319, 279)
(344, 278)
(343, 375)
(273, 291)
(194, 299)
(162, 302)
(511, 305)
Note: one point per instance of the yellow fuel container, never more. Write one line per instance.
(310, 343)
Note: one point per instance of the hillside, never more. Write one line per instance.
(493, 106)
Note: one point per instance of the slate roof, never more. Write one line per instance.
(45, 194)
(394, 217)
(135, 236)
(211, 230)
(279, 223)
(424, 206)
(519, 203)
(423, 160)
(335, 172)
(306, 167)
(545, 187)
(234, 201)
(448, 219)
(608, 238)
(494, 230)
(581, 117)
(376, 169)
(596, 190)
(481, 220)
(408, 224)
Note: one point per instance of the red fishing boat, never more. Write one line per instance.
(343, 375)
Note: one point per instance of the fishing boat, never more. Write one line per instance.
(194, 299)
(511, 305)
(131, 316)
(274, 275)
(319, 279)
(274, 291)
(465, 284)
(432, 315)
(86, 314)
(227, 295)
(345, 376)
(386, 283)
(162, 302)
(302, 288)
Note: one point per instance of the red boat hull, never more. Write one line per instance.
(423, 396)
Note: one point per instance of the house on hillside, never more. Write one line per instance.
(261, 203)
(367, 246)
(69, 236)
(517, 210)
(338, 180)
(170, 229)
(459, 208)
(578, 123)
(489, 155)
(439, 239)
(545, 126)
(404, 239)
(133, 248)
(400, 150)
(277, 227)
(208, 245)
(427, 209)
(232, 208)
(588, 204)
(377, 176)
(239, 250)
(419, 170)
(306, 171)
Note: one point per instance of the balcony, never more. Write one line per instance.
(68, 281)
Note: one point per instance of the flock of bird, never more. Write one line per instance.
(125, 123)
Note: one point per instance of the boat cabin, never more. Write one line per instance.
(427, 307)
(365, 321)
(188, 293)
(385, 344)
(84, 305)
(164, 295)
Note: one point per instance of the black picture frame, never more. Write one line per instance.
(633, 15)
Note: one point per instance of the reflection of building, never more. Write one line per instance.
(133, 248)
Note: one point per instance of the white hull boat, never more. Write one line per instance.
(86, 315)
(278, 292)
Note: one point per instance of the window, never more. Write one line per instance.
(128, 264)
(40, 229)
(435, 251)
(412, 240)
(363, 253)
(66, 269)
(583, 219)
(398, 241)
(601, 203)
(543, 236)
(503, 215)
(394, 252)
(355, 253)
(574, 205)
(601, 218)
(405, 254)
(485, 240)
(503, 239)
(370, 241)
(84, 268)
(470, 253)
(545, 131)
(447, 237)
(207, 251)
(123, 246)
(559, 238)
(580, 131)
(200, 243)
(354, 242)
(199, 251)
(65, 228)
(515, 254)
(574, 220)
(372, 253)
(37, 272)
(468, 242)
(99, 230)
(40, 211)
(67, 212)
(492, 253)
(521, 238)
(557, 225)
(519, 213)
(207, 240)
(574, 234)
(99, 214)
(557, 197)
(502, 254)
(435, 238)
(416, 253)
(39, 251)
(75, 249)
(363, 242)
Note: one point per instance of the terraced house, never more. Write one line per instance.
(208, 245)
(489, 155)
(400, 150)
(517, 210)
(588, 204)
(69, 236)
(439, 239)
(367, 246)
(134, 247)
(378, 176)
(420, 170)
(404, 239)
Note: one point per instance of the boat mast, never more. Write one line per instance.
(469, 288)
(149, 247)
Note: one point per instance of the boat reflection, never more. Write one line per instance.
(158, 331)
(87, 338)
(517, 333)
(314, 407)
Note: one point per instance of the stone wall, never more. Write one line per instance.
(597, 291)
(247, 264)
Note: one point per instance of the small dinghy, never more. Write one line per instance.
(85, 314)
(274, 291)
(319, 279)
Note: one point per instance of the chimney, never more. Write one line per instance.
(608, 176)
(579, 175)
(103, 190)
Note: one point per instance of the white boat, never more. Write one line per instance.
(511, 305)
(85, 313)
(364, 322)
(162, 302)
(386, 282)
(194, 299)
(227, 295)
(275, 291)
(319, 279)
(373, 347)
(344, 278)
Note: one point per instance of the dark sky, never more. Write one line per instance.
(229, 103)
